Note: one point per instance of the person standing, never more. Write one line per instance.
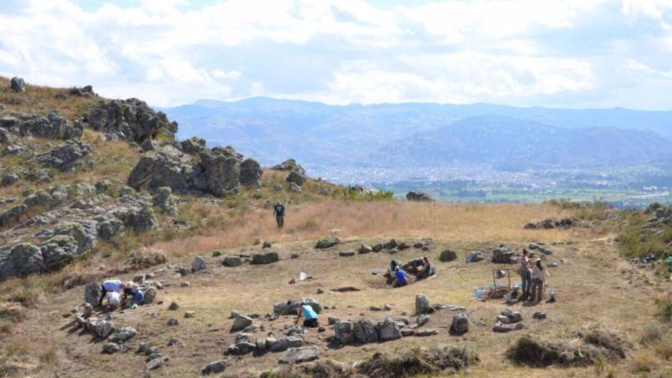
(279, 212)
(525, 274)
(539, 275)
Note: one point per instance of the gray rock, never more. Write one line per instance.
(513, 316)
(5, 136)
(460, 324)
(131, 120)
(284, 343)
(346, 253)
(21, 260)
(476, 256)
(422, 305)
(422, 320)
(448, 255)
(155, 363)
(289, 165)
(250, 173)
(332, 320)
(388, 330)
(193, 146)
(111, 348)
(300, 355)
(418, 196)
(214, 367)
(109, 228)
(363, 249)
(103, 328)
(294, 188)
(199, 264)
(425, 332)
(365, 332)
(190, 314)
(92, 293)
(66, 157)
(165, 201)
(174, 306)
(327, 242)
(139, 219)
(539, 315)
(407, 332)
(9, 179)
(240, 323)
(296, 178)
(232, 261)
(122, 334)
(17, 84)
(344, 332)
(173, 322)
(265, 258)
(86, 91)
(504, 255)
(503, 328)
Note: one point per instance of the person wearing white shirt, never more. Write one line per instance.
(539, 274)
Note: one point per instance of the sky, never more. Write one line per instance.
(552, 53)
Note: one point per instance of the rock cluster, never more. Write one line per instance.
(67, 221)
(418, 197)
(364, 331)
(216, 171)
(131, 120)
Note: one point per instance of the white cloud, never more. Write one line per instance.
(517, 52)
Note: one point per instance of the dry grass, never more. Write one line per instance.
(41, 100)
(466, 223)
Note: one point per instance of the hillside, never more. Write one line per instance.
(95, 188)
(324, 136)
(501, 141)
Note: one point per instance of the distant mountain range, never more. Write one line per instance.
(417, 134)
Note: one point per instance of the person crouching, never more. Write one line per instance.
(309, 315)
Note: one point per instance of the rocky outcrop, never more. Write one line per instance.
(297, 178)
(193, 146)
(17, 84)
(66, 157)
(131, 120)
(250, 173)
(216, 171)
(86, 91)
(290, 165)
(165, 201)
(53, 126)
(20, 260)
(418, 197)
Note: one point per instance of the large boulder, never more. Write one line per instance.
(365, 332)
(17, 84)
(122, 334)
(250, 173)
(21, 260)
(110, 227)
(300, 355)
(447, 256)
(388, 330)
(193, 146)
(504, 255)
(422, 305)
(53, 126)
(92, 293)
(283, 343)
(344, 332)
(139, 220)
(291, 166)
(296, 178)
(265, 258)
(460, 324)
(214, 367)
(131, 120)
(66, 157)
(327, 242)
(418, 196)
(240, 323)
(198, 264)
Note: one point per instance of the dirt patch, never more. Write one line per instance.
(347, 289)
(592, 344)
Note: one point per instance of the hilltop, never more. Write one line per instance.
(94, 188)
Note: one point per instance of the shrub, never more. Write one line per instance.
(644, 362)
(664, 347)
(652, 334)
(665, 309)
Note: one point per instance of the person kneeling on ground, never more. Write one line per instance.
(110, 286)
(309, 315)
(401, 279)
(427, 269)
(113, 300)
(133, 296)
